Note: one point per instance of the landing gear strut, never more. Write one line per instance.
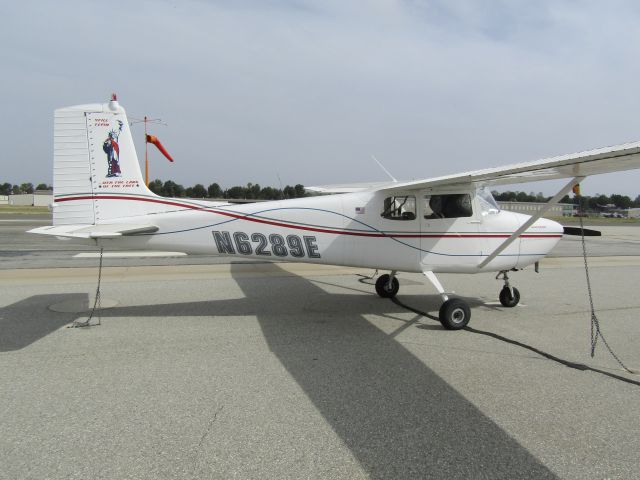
(509, 296)
(454, 313)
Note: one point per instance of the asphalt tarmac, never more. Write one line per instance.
(264, 370)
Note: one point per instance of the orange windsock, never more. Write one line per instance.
(153, 139)
(576, 189)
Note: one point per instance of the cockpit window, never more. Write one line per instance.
(448, 206)
(487, 203)
(402, 207)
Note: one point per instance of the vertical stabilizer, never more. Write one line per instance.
(96, 176)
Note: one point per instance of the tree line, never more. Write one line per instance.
(596, 202)
(252, 191)
(9, 189)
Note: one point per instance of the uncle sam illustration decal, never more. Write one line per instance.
(112, 149)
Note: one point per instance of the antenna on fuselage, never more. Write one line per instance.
(384, 169)
(280, 182)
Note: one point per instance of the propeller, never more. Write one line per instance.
(587, 232)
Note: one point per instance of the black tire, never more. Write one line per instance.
(382, 286)
(454, 314)
(507, 299)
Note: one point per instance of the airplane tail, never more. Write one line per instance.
(96, 174)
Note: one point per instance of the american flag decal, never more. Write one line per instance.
(360, 210)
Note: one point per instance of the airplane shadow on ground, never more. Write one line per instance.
(29, 320)
(396, 416)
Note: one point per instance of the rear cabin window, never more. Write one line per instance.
(399, 208)
(447, 206)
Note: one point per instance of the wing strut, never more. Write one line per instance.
(558, 196)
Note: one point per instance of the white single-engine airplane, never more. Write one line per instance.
(447, 224)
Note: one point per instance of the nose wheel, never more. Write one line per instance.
(509, 296)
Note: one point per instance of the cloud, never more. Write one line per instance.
(308, 90)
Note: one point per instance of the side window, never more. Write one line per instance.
(487, 203)
(447, 206)
(402, 207)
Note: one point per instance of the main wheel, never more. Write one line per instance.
(454, 314)
(507, 299)
(384, 289)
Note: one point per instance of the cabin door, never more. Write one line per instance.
(450, 237)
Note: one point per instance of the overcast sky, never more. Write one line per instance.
(309, 90)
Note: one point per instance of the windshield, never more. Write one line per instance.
(487, 203)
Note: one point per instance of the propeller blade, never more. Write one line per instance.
(578, 231)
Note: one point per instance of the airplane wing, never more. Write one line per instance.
(582, 164)
(349, 187)
(94, 231)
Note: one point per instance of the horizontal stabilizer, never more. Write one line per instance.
(95, 231)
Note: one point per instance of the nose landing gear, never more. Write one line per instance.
(509, 296)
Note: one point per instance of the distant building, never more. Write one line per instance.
(633, 213)
(39, 198)
(530, 208)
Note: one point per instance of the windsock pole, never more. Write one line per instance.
(146, 154)
(147, 120)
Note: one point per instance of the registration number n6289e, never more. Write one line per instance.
(266, 245)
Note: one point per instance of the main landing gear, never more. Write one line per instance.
(509, 296)
(387, 285)
(454, 313)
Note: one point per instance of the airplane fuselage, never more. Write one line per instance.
(348, 229)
